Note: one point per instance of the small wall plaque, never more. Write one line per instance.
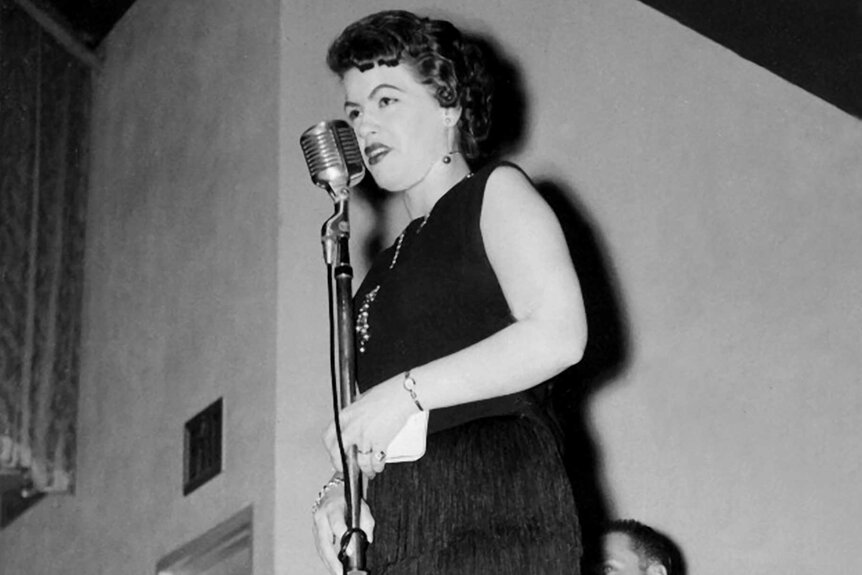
(203, 447)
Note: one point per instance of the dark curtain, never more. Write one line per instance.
(44, 127)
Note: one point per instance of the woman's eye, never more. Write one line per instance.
(385, 101)
(352, 115)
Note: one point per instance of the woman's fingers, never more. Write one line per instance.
(366, 521)
(323, 540)
(378, 461)
(330, 527)
(371, 457)
(364, 458)
(330, 440)
(371, 460)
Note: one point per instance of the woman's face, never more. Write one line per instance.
(402, 130)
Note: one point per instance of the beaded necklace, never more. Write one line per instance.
(363, 329)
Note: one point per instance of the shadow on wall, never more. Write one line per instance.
(510, 112)
(605, 356)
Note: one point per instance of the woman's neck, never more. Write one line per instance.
(420, 199)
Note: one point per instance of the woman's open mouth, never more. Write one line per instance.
(375, 152)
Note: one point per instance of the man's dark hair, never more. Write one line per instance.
(650, 545)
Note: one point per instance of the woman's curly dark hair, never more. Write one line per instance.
(450, 65)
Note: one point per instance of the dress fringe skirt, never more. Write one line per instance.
(490, 496)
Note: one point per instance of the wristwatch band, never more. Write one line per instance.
(410, 385)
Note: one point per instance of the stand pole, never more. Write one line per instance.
(334, 236)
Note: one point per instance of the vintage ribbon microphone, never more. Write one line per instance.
(335, 164)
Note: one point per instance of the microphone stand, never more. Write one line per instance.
(334, 236)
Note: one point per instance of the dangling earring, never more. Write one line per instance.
(448, 121)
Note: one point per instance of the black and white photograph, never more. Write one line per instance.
(318, 287)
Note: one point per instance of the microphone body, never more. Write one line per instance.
(333, 157)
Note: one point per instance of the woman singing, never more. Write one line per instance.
(475, 304)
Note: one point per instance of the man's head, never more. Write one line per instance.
(632, 548)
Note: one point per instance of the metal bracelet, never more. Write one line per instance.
(332, 483)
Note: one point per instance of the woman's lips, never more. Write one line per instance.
(375, 152)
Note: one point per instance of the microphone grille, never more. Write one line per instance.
(332, 155)
(350, 148)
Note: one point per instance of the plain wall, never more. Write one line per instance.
(180, 292)
(730, 204)
(727, 202)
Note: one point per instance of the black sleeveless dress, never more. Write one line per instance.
(491, 494)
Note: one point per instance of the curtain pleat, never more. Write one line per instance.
(44, 125)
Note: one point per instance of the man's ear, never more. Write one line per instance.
(656, 569)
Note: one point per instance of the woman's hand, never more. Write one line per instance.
(370, 423)
(330, 526)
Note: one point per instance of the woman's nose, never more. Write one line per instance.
(365, 126)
